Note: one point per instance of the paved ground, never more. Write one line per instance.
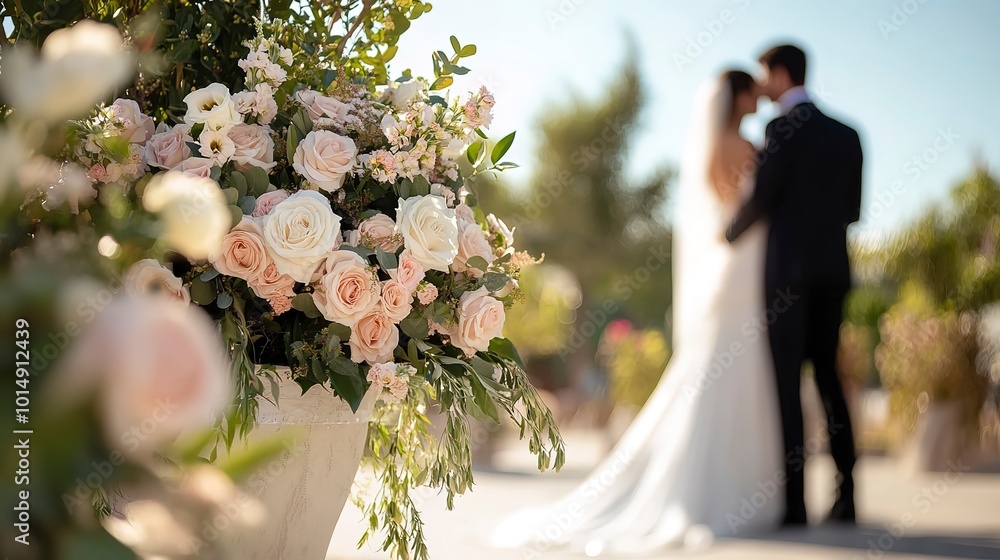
(953, 516)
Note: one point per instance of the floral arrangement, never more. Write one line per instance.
(329, 225)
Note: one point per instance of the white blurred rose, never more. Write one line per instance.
(78, 67)
(300, 232)
(429, 229)
(325, 158)
(148, 277)
(402, 94)
(192, 211)
(211, 106)
(254, 147)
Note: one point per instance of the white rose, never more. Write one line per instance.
(471, 243)
(211, 106)
(254, 147)
(319, 106)
(148, 277)
(325, 158)
(429, 229)
(167, 149)
(299, 232)
(402, 94)
(136, 127)
(192, 211)
(195, 166)
(480, 319)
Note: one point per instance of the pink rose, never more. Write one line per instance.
(387, 379)
(135, 126)
(349, 289)
(254, 147)
(379, 231)
(463, 212)
(480, 319)
(271, 284)
(267, 201)
(242, 253)
(324, 159)
(397, 301)
(280, 304)
(168, 149)
(427, 294)
(409, 273)
(373, 338)
(471, 243)
(197, 166)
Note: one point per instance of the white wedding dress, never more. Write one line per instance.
(703, 457)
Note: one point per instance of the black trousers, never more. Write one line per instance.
(804, 323)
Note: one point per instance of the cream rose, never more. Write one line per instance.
(429, 229)
(136, 127)
(168, 149)
(397, 301)
(379, 231)
(267, 201)
(319, 106)
(350, 288)
(299, 233)
(149, 277)
(471, 243)
(211, 106)
(480, 319)
(402, 94)
(242, 253)
(192, 212)
(373, 338)
(325, 158)
(195, 166)
(254, 147)
(409, 273)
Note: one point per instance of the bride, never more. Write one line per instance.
(703, 457)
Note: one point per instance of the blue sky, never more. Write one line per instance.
(917, 78)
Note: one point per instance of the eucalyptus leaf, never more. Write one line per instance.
(305, 304)
(202, 292)
(208, 275)
(415, 325)
(477, 262)
(388, 261)
(495, 281)
(247, 204)
(224, 300)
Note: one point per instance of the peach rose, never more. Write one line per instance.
(324, 159)
(350, 288)
(267, 201)
(373, 338)
(136, 127)
(168, 149)
(197, 166)
(427, 294)
(280, 304)
(471, 243)
(272, 284)
(397, 301)
(409, 273)
(254, 147)
(242, 253)
(379, 231)
(480, 320)
(149, 277)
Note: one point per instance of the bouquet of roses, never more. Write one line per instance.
(331, 226)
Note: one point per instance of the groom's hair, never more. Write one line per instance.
(789, 57)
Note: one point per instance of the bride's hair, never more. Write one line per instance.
(736, 82)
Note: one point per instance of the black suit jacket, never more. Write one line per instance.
(809, 186)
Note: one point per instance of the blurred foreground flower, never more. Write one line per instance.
(192, 210)
(77, 68)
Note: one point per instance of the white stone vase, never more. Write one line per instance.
(304, 489)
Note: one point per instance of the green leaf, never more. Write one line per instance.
(415, 325)
(474, 151)
(247, 204)
(365, 252)
(351, 388)
(387, 261)
(342, 332)
(495, 281)
(501, 148)
(342, 365)
(95, 544)
(224, 300)
(484, 401)
(305, 304)
(328, 77)
(455, 44)
(257, 181)
(505, 165)
(232, 195)
(236, 215)
(477, 262)
(442, 83)
(505, 349)
(208, 275)
(239, 182)
(467, 50)
(202, 293)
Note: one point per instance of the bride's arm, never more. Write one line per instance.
(772, 175)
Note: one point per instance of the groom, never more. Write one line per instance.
(809, 187)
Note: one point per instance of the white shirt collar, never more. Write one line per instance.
(791, 98)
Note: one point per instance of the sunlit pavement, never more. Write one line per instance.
(903, 516)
